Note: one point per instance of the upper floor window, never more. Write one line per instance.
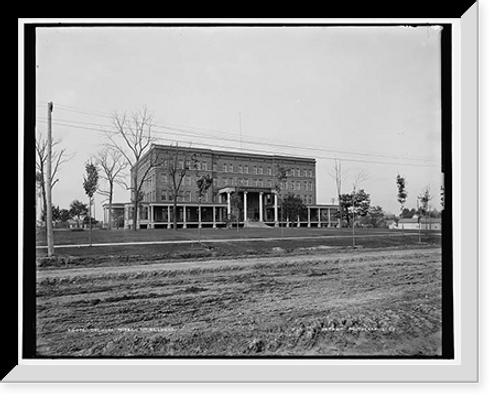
(224, 167)
(164, 178)
(230, 168)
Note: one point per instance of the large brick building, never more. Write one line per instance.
(250, 176)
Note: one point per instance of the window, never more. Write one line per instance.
(188, 180)
(164, 178)
(245, 181)
(225, 181)
(246, 169)
(163, 195)
(254, 182)
(215, 166)
(261, 170)
(188, 165)
(310, 173)
(261, 182)
(255, 170)
(230, 168)
(292, 185)
(180, 164)
(240, 169)
(231, 181)
(224, 167)
(293, 172)
(269, 171)
(187, 196)
(269, 183)
(204, 166)
(297, 184)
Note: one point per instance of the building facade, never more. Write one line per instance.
(244, 188)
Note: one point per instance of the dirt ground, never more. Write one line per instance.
(366, 302)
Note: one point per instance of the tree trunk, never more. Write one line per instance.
(90, 221)
(110, 210)
(136, 215)
(340, 212)
(175, 212)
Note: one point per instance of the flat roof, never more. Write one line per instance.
(236, 153)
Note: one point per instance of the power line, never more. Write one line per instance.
(100, 128)
(232, 137)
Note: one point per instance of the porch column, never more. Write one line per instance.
(169, 219)
(184, 217)
(199, 216)
(298, 220)
(214, 218)
(275, 208)
(329, 218)
(151, 217)
(319, 217)
(245, 216)
(228, 204)
(261, 209)
(308, 217)
(105, 222)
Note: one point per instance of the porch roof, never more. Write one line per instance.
(247, 189)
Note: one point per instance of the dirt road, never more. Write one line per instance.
(366, 302)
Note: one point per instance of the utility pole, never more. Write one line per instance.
(48, 188)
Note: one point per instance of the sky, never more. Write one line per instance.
(369, 96)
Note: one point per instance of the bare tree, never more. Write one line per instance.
(133, 140)
(178, 163)
(339, 178)
(425, 198)
(112, 165)
(59, 157)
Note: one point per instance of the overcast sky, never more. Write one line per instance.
(367, 95)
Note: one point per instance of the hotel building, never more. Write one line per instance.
(252, 177)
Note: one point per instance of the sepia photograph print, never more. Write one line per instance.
(251, 192)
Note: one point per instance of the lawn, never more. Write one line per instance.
(66, 237)
(72, 249)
